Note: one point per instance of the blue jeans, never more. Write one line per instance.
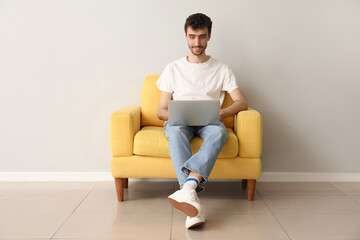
(203, 161)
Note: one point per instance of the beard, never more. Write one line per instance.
(198, 53)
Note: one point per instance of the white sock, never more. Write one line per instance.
(190, 184)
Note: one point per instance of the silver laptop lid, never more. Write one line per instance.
(193, 112)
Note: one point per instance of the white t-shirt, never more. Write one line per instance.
(197, 81)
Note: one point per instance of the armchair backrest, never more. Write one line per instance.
(150, 96)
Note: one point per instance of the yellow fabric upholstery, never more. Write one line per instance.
(249, 132)
(150, 96)
(151, 141)
(156, 167)
(145, 153)
(124, 123)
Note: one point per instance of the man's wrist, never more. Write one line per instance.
(222, 113)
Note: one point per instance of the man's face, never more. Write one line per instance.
(197, 40)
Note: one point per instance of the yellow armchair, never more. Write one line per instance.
(140, 149)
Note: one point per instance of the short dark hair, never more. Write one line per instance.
(198, 21)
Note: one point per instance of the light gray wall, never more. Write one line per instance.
(65, 66)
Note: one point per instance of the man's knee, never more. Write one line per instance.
(176, 132)
(219, 133)
(223, 134)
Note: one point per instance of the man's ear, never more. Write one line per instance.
(209, 36)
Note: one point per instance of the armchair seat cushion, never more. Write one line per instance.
(151, 141)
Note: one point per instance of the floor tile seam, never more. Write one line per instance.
(84, 238)
(172, 213)
(357, 202)
(40, 196)
(238, 215)
(332, 184)
(143, 191)
(272, 213)
(74, 210)
(349, 195)
(122, 214)
(310, 213)
(297, 195)
(209, 215)
(45, 195)
(314, 214)
(331, 239)
(171, 222)
(281, 198)
(275, 212)
(35, 214)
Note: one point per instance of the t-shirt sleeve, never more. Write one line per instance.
(164, 81)
(229, 83)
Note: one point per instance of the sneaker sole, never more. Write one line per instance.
(186, 208)
(196, 224)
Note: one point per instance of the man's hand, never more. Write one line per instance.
(238, 105)
(222, 113)
(162, 111)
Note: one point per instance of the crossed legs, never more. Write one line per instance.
(192, 170)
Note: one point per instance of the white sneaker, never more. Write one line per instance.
(194, 221)
(186, 201)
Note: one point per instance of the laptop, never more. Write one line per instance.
(193, 112)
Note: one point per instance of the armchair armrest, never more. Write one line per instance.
(248, 129)
(124, 124)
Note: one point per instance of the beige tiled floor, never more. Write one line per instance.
(89, 210)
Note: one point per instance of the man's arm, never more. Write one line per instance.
(162, 111)
(238, 105)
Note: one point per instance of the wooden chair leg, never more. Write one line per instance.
(126, 185)
(251, 189)
(244, 183)
(119, 184)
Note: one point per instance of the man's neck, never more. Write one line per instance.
(197, 59)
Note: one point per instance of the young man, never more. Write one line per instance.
(199, 77)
